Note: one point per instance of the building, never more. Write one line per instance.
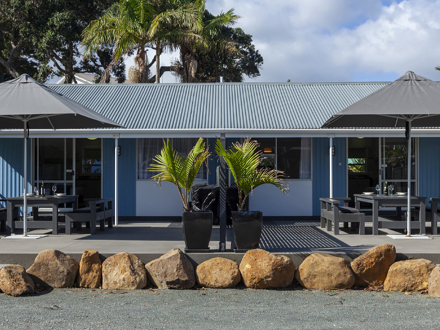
(284, 117)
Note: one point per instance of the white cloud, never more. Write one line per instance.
(338, 40)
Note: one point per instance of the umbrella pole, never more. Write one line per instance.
(408, 226)
(25, 182)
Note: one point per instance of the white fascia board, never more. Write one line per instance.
(159, 133)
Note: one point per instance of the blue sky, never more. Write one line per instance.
(338, 40)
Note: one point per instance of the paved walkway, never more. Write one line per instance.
(158, 237)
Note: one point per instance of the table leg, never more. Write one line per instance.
(399, 212)
(375, 209)
(9, 218)
(35, 212)
(55, 219)
(422, 217)
(434, 218)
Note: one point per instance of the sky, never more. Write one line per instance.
(337, 40)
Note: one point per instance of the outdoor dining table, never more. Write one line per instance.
(35, 202)
(377, 201)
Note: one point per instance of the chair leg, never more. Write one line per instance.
(329, 225)
(322, 222)
(434, 223)
(101, 225)
(93, 227)
(68, 226)
(362, 225)
(336, 227)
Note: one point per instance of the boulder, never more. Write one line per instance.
(53, 268)
(371, 268)
(173, 270)
(263, 270)
(14, 281)
(409, 275)
(434, 283)
(325, 272)
(90, 270)
(123, 271)
(218, 273)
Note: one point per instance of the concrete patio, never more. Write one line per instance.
(150, 239)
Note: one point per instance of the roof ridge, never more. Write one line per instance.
(231, 83)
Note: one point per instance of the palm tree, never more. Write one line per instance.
(211, 38)
(134, 25)
(181, 171)
(243, 160)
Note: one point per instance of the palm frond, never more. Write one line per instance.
(180, 170)
(243, 160)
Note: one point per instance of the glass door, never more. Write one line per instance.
(393, 165)
(54, 165)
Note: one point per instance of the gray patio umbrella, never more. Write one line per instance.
(410, 101)
(27, 104)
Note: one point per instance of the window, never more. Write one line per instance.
(149, 148)
(290, 155)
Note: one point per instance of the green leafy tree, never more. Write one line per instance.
(199, 53)
(230, 54)
(136, 25)
(58, 31)
(17, 54)
(243, 160)
(98, 62)
(42, 37)
(180, 170)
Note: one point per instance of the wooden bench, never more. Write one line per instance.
(334, 214)
(97, 212)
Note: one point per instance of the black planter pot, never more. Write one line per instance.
(247, 227)
(197, 228)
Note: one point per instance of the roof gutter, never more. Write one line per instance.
(212, 133)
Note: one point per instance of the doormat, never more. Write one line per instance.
(24, 237)
(411, 237)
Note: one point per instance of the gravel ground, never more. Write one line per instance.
(219, 309)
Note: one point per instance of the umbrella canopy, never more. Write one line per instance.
(26, 103)
(25, 99)
(409, 98)
(410, 101)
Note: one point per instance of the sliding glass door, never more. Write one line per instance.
(54, 165)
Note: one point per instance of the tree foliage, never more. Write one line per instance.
(45, 34)
(139, 25)
(226, 52)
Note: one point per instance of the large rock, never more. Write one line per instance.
(434, 283)
(54, 268)
(218, 273)
(371, 268)
(14, 281)
(173, 270)
(123, 271)
(409, 275)
(263, 270)
(90, 270)
(325, 272)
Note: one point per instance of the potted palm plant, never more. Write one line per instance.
(182, 171)
(243, 160)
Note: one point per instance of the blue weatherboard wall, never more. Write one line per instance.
(429, 167)
(11, 168)
(321, 175)
(126, 173)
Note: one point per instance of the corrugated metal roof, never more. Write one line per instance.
(219, 106)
